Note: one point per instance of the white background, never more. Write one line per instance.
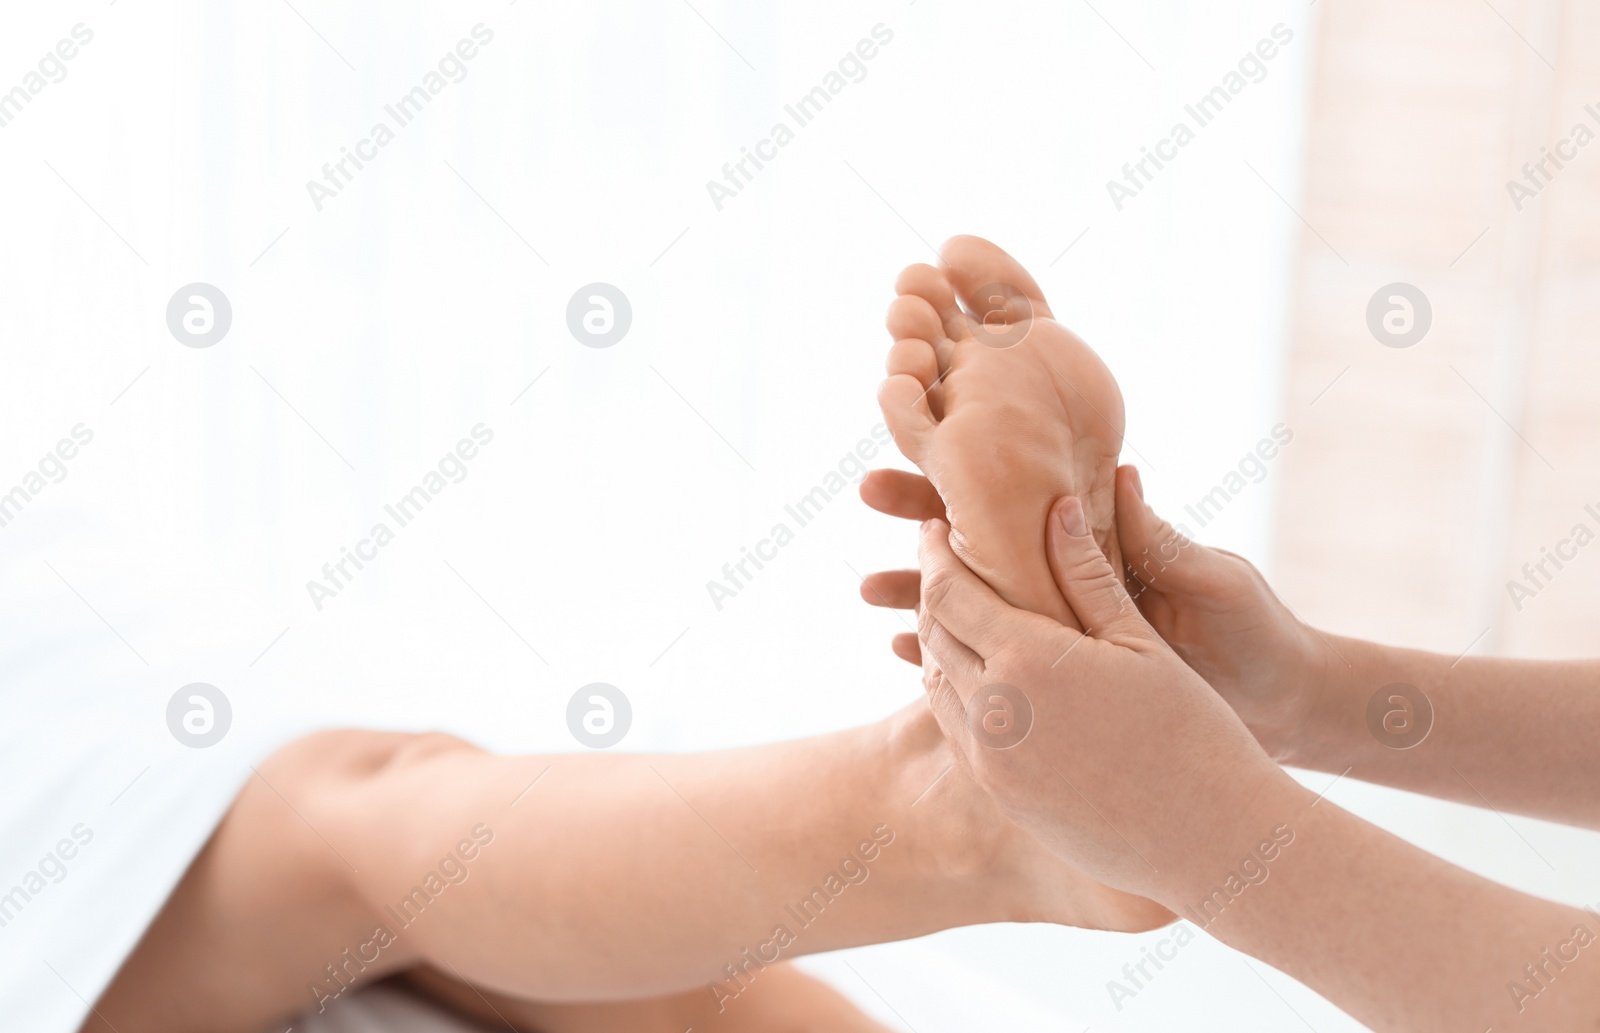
(370, 336)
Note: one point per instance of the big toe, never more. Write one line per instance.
(990, 282)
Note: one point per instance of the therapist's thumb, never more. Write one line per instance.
(1084, 575)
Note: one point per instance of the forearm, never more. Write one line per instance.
(1399, 938)
(1516, 735)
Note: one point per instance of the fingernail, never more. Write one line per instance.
(1072, 518)
(1138, 483)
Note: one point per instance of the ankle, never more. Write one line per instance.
(952, 832)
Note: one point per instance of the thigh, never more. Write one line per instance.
(267, 921)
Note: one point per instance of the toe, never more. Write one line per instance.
(904, 402)
(895, 589)
(899, 493)
(915, 358)
(933, 287)
(910, 315)
(987, 279)
(906, 647)
(911, 357)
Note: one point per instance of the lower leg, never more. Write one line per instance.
(614, 876)
(606, 877)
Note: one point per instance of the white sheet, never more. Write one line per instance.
(86, 750)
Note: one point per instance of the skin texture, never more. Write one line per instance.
(1418, 944)
(588, 878)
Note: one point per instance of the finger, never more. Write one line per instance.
(958, 599)
(1085, 578)
(1134, 531)
(951, 714)
(896, 589)
(1151, 547)
(906, 648)
(901, 494)
(961, 667)
(943, 699)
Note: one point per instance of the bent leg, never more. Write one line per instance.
(624, 875)
(359, 855)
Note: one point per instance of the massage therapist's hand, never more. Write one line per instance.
(1217, 612)
(1131, 769)
(1212, 607)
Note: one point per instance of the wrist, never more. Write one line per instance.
(1314, 680)
(1333, 729)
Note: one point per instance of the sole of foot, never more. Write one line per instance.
(1005, 410)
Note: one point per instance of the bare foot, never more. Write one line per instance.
(1005, 410)
(959, 833)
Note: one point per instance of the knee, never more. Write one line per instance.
(331, 777)
(355, 754)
